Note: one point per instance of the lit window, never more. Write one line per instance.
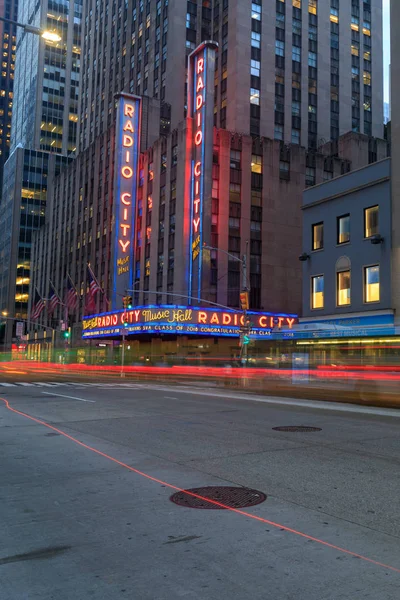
(343, 288)
(371, 221)
(254, 96)
(318, 236)
(343, 229)
(372, 284)
(297, 3)
(355, 50)
(312, 6)
(367, 78)
(255, 11)
(256, 163)
(317, 291)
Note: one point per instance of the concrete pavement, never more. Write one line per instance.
(77, 525)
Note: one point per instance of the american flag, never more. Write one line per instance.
(38, 306)
(71, 296)
(54, 299)
(94, 287)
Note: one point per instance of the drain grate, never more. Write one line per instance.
(230, 497)
(297, 428)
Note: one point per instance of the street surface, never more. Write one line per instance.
(88, 516)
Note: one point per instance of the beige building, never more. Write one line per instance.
(301, 71)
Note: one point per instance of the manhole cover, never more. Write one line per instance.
(297, 428)
(230, 497)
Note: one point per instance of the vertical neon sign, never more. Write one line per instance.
(201, 111)
(127, 140)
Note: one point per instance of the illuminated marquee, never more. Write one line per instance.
(185, 320)
(201, 110)
(127, 150)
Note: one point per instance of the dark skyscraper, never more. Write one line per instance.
(8, 10)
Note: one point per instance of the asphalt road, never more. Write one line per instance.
(87, 515)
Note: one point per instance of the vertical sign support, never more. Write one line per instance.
(201, 110)
(127, 149)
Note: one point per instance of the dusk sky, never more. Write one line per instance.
(386, 46)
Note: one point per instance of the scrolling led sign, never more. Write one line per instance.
(126, 175)
(185, 320)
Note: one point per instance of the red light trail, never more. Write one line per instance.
(178, 489)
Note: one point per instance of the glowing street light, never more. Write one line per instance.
(49, 35)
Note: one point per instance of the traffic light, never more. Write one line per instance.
(66, 334)
(127, 302)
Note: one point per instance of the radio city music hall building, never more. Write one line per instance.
(142, 220)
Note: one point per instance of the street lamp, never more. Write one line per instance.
(244, 339)
(50, 35)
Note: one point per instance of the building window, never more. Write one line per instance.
(256, 163)
(371, 221)
(317, 291)
(372, 284)
(343, 288)
(343, 229)
(318, 236)
(255, 96)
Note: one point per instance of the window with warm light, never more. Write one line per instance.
(317, 291)
(256, 163)
(318, 236)
(371, 221)
(372, 284)
(343, 288)
(343, 229)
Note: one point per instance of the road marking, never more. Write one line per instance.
(318, 404)
(8, 384)
(237, 511)
(26, 384)
(171, 397)
(71, 397)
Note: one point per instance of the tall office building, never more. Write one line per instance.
(301, 71)
(240, 124)
(43, 139)
(8, 10)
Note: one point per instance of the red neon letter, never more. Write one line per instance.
(129, 110)
(127, 172)
(127, 141)
(196, 223)
(124, 227)
(262, 322)
(197, 169)
(199, 102)
(200, 66)
(202, 317)
(200, 84)
(125, 214)
(124, 201)
(198, 138)
(129, 127)
(124, 245)
(226, 319)
(290, 322)
(196, 205)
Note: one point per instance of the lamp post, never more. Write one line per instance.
(244, 340)
(49, 35)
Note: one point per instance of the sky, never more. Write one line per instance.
(386, 45)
